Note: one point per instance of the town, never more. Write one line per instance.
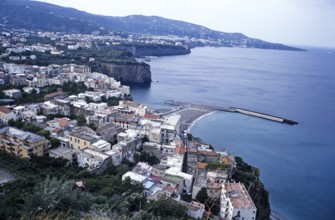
(73, 112)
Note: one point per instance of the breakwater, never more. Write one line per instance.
(185, 108)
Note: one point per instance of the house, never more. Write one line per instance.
(58, 95)
(135, 177)
(100, 146)
(40, 118)
(6, 114)
(30, 90)
(236, 202)
(92, 159)
(62, 152)
(109, 131)
(128, 143)
(22, 144)
(194, 209)
(139, 109)
(13, 93)
(170, 128)
(81, 139)
(186, 185)
(48, 108)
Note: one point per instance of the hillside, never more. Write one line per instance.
(34, 15)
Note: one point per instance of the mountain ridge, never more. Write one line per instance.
(40, 16)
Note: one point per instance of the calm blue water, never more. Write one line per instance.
(297, 162)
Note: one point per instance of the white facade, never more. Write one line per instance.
(6, 115)
(236, 203)
(188, 178)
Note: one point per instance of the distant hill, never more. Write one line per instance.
(34, 15)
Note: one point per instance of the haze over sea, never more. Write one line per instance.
(296, 162)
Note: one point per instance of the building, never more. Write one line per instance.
(170, 129)
(236, 203)
(194, 209)
(80, 140)
(58, 95)
(13, 93)
(22, 144)
(6, 114)
(92, 159)
(139, 109)
(63, 152)
(109, 131)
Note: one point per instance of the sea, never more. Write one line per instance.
(297, 162)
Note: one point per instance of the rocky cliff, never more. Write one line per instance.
(135, 73)
(160, 50)
(153, 50)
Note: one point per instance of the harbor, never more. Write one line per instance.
(190, 112)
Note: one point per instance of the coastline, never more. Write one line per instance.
(276, 216)
(188, 130)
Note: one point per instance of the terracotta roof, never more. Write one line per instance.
(208, 153)
(54, 94)
(238, 197)
(180, 150)
(63, 122)
(201, 165)
(5, 110)
(226, 160)
(169, 189)
(151, 116)
(156, 179)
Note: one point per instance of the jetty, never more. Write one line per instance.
(190, 112)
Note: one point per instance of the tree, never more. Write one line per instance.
(44, 133)
(202, 195)
(54, 142)
(57, 194)
(166, 207)
(81, 120)
(146, 157)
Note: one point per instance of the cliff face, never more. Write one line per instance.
(154, 50)
(127, 73)
(160, 50)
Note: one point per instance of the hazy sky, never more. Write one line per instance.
(294, 22)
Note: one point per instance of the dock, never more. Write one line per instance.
(191, 111)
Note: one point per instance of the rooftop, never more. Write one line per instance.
(172, 178)
(21, 135)
(238, 195)
(5, 110)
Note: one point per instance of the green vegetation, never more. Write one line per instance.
(166, 208)
(202, 195)
(80, 57)
(216, 166)
(249, 176)
(146, 157)
(211, 205)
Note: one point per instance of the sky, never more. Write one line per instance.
(292, 22)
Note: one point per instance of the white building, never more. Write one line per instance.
(236, 203)
(139, 109)
(13, 93)
(91, 159)
(6, 114)
(62, 152)
(187, 178)
(134, 177)
(101, 146)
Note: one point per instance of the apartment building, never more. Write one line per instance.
(22, 144)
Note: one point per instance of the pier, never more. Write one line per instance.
(190, 112)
